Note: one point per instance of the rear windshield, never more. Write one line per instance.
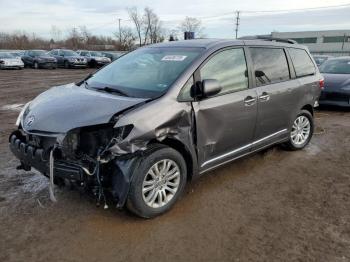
(336, 66)
(146, 72)
(6, 55)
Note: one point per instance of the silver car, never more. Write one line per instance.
(94, 58)
(7, 60)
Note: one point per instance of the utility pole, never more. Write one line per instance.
(237, 23)
(120, 33)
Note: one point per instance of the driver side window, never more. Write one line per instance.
(229, 67)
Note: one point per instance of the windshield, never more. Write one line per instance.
(6, 55)
(336, 66)
(96, 54)
(320, 60)
(69, 53)
(146, 72)
(38, 52)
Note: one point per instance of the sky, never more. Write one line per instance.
(101, 17)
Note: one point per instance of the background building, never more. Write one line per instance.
(330, 42)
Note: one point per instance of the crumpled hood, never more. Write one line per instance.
(336, 82)
(63, 108)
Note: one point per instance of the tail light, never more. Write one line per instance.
(321, 84)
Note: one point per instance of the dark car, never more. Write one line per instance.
(38, 59)
(94, 58)
(114, 55)
(68, 58)
(336, 73)
(138, 129)
(319, 59)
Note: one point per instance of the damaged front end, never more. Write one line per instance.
(81, 158)
(102, 158)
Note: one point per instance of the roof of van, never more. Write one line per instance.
(212, 42)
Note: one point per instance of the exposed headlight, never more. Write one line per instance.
(71, 59)
(41, 59)
(19, 118)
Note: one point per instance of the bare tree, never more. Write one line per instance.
(155, 31)
(191, 24)
(126, 38)
(137, 20)
(56, 33)
(85, 34)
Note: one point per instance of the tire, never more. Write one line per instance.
(36, 65)
(155, 157)
(305, 133)
(66, 65)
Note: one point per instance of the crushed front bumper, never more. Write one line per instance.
(37, 158)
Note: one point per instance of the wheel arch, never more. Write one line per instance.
(309, 108)
(182, 149)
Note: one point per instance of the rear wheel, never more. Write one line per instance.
(157, 183)
(301, 131)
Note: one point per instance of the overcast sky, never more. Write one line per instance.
(100, 17)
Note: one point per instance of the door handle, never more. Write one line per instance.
(264, 97)
(249, 100)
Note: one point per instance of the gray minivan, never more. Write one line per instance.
(137, 130)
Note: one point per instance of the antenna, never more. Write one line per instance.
(237, 22)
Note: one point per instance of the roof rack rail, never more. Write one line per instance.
(269, 38)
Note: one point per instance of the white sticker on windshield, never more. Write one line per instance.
(174, 58)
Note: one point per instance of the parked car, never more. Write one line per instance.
(144, 125)
(39, 59)
(8, 61)
(68, 58)
(336, 73)
(94, 58)
(319, 59)
(17, 53)
(114, 55)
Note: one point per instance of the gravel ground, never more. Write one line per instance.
(272, 206)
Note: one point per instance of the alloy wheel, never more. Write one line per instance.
(161, 183)
(300, 130)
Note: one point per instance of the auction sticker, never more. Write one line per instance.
(174, 58)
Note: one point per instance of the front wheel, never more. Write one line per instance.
(36, 65)
(66, 64)
(158, 182)
(301, 131)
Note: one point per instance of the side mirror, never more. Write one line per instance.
(210, 87)
(259, 73)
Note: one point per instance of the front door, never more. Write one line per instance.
(225, 122)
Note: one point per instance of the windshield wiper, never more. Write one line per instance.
(112, 90)
(84, 80)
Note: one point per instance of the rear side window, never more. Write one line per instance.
(229, 67)
(270, 65)
(302, 62)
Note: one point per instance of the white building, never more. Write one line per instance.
(330, 42)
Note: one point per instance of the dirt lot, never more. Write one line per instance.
(273, 206)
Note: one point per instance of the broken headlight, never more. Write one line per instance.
(23, 112)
